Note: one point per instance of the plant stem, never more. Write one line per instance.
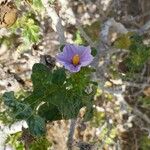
(71, 133)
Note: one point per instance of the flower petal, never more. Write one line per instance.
(61, 58)
(74, 49)
(85, 49)
(72, 68)
(69, 51)
(86, 57)
(67, 54)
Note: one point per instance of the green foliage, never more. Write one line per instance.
(37, 5)
(20, 110)
(78, 38)
(7, 40)
(26, 30)
(15, 142)
(48, 108)
(3, 114)
(7, 115)
(52, 1)
(108, 135)
(145, 102)
(94, 51)
(30, 31)
(28, 35)
(5, 118)
(61, 47)
(138, 53)
(144, 143)
(36, 125)
(109, 138)
(123, 41)
(55, 96)
(98, 118)
(40, 144)
(93, 30)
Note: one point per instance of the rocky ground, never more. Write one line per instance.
(15, 69)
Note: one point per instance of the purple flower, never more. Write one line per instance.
(74, 57)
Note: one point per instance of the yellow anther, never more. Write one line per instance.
(76, 59)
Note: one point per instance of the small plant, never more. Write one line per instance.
(57, 94)
(138, 53)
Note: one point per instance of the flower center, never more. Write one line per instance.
(76, 59)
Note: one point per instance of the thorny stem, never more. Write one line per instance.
(71, 133)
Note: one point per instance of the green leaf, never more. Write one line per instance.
(138, 56)
(50, 112)
(78, 38)
(36, 125)
(42, 85)
(68, 103)
(59, 76)
(62, 47)
(135, 38)
(31, 32)
(45, 82)
(54, 97)
(123, 42)
(9, 99)
(20, 110)
(94, 51)
(37, 4)
(41, 76)
(23, 111)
